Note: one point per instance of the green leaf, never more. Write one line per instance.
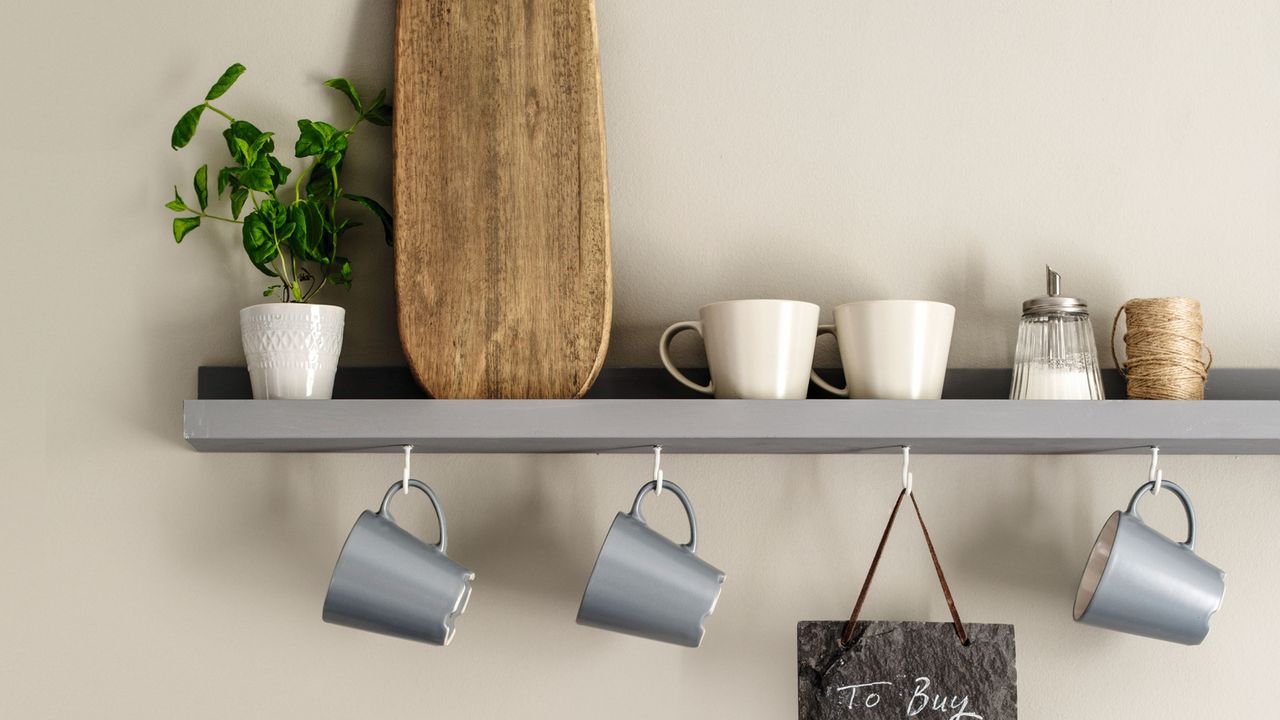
(226, 177)
(307, 238)
(259, 177)
(310, 140)
(201, 183)
(378, 112)
(177, 204)
(373, 207)
(261, 172)
(321, 185)
(259, 244)
(238, 196)
(279, 172)
(317, 237)
(244, 152)
(334, 153)
(345, 87)
(186, 127)
(380, 115)
(314, 137)
(271, 290)
(249, 133)
(342, 274)
(261, 141)
(273, 213)
(225, 82)
(345, 224)
(299, 242)
(182, 226)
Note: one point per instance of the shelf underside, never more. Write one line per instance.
(682, 425)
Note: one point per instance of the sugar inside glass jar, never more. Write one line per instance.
(1056, 358)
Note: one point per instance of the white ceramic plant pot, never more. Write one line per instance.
(292, 349)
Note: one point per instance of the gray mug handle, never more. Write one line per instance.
(692, 545)
(385, 510)
(1183, 498)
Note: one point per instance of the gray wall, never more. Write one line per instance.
(829, 151)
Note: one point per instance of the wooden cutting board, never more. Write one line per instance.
(502, 245)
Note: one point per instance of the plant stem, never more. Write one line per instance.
(283, 271)
(204, 214)
(278, 264)
(211, 107)
(305, 175)
(315, 288)
(333, 209)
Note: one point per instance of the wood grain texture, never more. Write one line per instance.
(503, 273)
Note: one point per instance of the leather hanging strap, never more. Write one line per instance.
(847, 636)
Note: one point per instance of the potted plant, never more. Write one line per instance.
(291, 235)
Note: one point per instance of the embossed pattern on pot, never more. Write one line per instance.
(291, 349)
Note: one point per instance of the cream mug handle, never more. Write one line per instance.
(813, 374)
(664, 350)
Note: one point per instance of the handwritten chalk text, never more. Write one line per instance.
(920, 701)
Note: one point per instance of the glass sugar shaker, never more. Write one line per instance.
(1056, 358)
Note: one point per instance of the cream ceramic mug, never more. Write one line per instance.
(892, 349)
(756, 349)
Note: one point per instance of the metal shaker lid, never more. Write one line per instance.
(1054, 302)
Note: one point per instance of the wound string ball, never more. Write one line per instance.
(1164, 348)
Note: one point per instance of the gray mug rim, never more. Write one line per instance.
(1112, 520)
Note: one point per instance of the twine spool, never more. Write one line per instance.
(1163, 349)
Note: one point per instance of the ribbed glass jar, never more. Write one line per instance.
(1056, 358)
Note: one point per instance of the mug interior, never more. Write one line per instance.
(1096, 565)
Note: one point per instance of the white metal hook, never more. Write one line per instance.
(1155, 474)
(408, 451)
(657, 469)
(907, 479)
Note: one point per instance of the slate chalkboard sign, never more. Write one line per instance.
(907, 670)
(880, 670)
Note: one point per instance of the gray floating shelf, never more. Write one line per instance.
(608, 423)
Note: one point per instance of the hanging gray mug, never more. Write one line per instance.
(388, 581)
(645, 585)
(1140, 582)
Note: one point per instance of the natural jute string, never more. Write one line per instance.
(1163, 348)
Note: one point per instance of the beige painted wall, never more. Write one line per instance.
(825, 150)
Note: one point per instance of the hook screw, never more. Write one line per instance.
(907, 479)
(657, 469)
(408, 451)
(1155, 474)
